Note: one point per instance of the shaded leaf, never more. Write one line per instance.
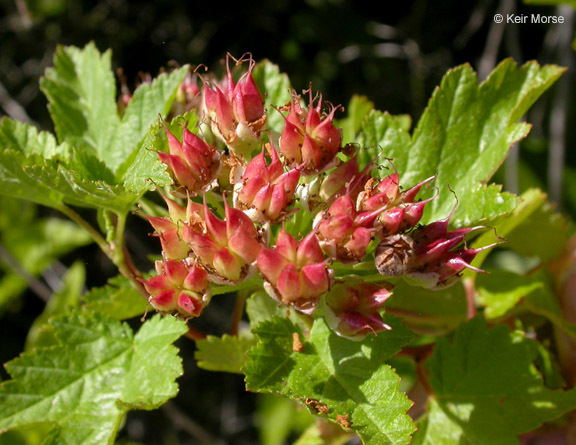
(486, 389)
(226, 353)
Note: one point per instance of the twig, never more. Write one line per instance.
(12, 107)
(185, 423)
(493, 41)
(36, 285)
(559, 110)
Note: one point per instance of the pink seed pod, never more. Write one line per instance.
(169, 229)
(429, 257)
(192, 163)
(399, 211)
(226, 248)
(352, 308)
(296, 273)
(181, 287)
(236, 110)
(265, 191)
(344, 233)
(309, 138)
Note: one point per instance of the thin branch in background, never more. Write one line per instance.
(474, 23)
(23, 13)
(558, 113)
(183, 422)
(494, 39)
(37, 286)
(12, 107)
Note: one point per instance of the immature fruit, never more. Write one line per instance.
(265, 191)
(309, 138)
(352, 308)
(343, 232)
(226, 248)
(180, 287)
(236, 111)
(296, 273)
(428, 257)
(399, 211)
(192, 163)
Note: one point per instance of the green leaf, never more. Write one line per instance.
(275, 87)
(531, 200)
(26, 138)
(118, 299)
(545, 234)
(143, 169)
(47, 182)
(384, 136)
(149, 101)
(261, 307)
(486, 389)
(431, 311)
(357, 109)
(278, 418)
(500, 291)
(465, 134)
(81, 91)
(335, 376)
(99, 370)
(226, 353)
(63, 300)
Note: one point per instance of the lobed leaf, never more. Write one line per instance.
(345, 380)
(464, 135)
(47, 182)
(486, 389)
(98, 371)
(81, 91)
(143, 169)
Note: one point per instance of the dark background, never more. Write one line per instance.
(395, 57)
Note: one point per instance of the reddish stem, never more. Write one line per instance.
(237, 314)
(195, 334)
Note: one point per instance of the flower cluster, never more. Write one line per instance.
(258, 192)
